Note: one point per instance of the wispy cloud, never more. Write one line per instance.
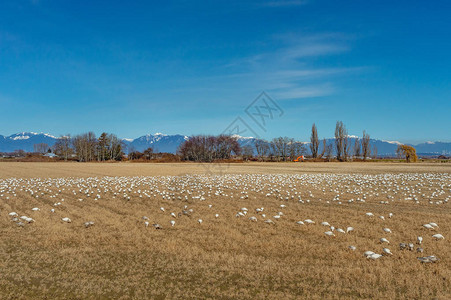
(309, 50)
(293, 74)
(287, 66)
(293, 48)
(288, 69)
(315, 73)
(314, 91)
(292, 53)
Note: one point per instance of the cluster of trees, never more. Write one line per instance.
(342, 142)
(145, 155)
(209, 148)
(279, 149)
(87, 147)
(361, 147)
(41, 148)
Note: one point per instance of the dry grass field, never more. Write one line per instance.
(228, 256)
(73, 169)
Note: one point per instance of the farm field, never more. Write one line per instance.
(69, 169)
(238, 231)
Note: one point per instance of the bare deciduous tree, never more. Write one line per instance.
(91, 143)
(341, 141)
(262, 148)
(314, 142)
(295, 149)
(209, 148)
(357, 148)
(115, 146)
(329, 150)
(78, 143)
(280, 147)
(134, 155)
(85, 146)
(41, 148)
(346, 147)
(366, 151)
(148, 153)
(63, 147)
(248, 152)
(324, 148)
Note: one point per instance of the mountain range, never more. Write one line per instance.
(169, 143)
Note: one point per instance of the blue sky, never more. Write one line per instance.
(192, 67)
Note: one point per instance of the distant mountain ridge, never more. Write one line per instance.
(159, 142)
(169, 143)
(25, 141)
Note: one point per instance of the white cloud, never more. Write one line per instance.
(289, 54)
(288, 69)
(311, 49)
(284, 67)
(304, 92)
(289, 50)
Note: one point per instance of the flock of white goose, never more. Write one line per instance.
(184, 193)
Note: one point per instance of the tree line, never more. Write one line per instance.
(344, 150)
(210, 148)
(87, 147)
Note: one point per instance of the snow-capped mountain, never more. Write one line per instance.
(384, 148)
(434, 148)
(169, 143)
(25, 141)
(159, 142)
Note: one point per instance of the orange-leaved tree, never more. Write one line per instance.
(408, 152)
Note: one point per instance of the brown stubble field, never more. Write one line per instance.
(225, 257)
(74, 169)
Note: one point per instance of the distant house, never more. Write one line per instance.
(51, 155)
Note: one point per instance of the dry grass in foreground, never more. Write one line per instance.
(226, 256)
